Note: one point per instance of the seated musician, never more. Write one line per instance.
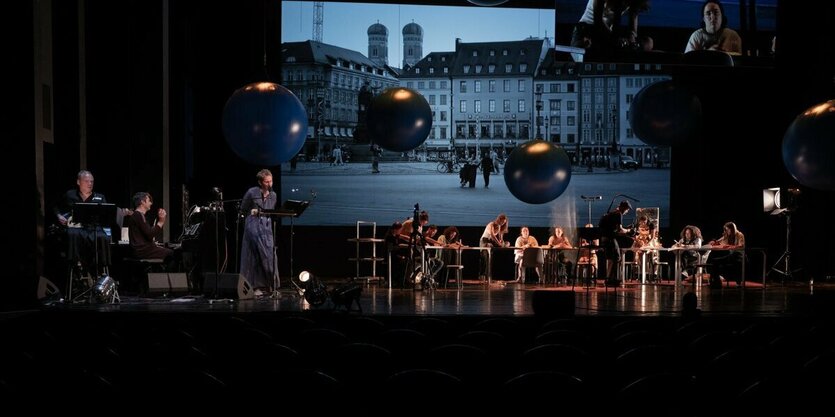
(143, 235)
(412, 235)
(728, 264)
(588, 256)
(691, 237)
(80, 238)
(433, 261)
(524, 241)
(452, 240)
(558, 240)
(397, 251)
(646, 237)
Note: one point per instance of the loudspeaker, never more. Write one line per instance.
(47, 289)
(167, 283)
(553, 304)
(234, 286)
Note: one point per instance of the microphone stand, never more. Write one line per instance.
(217, 209)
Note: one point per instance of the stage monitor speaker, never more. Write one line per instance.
(47, 289)
(163, 283)
(553, 304)
(234, 286)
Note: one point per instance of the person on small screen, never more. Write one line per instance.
(599, 26)
(714, 34)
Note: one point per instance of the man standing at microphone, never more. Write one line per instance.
(257, 254)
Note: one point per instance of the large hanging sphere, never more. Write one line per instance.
(537, 172)
(399, 119)
(809, 147)
(487, 2)
(264, 123)
(665, 114)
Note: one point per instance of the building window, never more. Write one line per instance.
(492, 105)
(410, 84)
(506, 86)
(521, 85)
(478, 69)
(431, 99)
(446, 70)
(508, 68)
(555, 88)
(421, 85)
(443, 99)
(491, 86)
(570, 87)
(466, 69)
(523, 67)
(443, 132)
(506, 106)
(417, 70)
(477, 86)
(491, 68)
(475, 53)
(477, 106)
(521, 105)
(504, 52)
(571, 121)
(492, 52)
(443, 84)
(555, 105)
(431, 85)
(571, 104)
(571, 138)
(443, 114)
(462, 88)
(462, 106)
(431, 70)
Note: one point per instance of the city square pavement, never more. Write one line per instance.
(343, 194)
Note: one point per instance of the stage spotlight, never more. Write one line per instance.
(315, 292)
(345, 296)
(105, 290)
(778, 200)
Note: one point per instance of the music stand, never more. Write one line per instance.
(92, 215)
(291, 209)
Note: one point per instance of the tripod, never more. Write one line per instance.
(418, 272)
(787, 272)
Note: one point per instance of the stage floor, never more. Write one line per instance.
(512, 299)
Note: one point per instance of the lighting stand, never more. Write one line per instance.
(785, 258)
(590, 200)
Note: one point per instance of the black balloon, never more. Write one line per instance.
(665, 114)
(264, 123)
(537, 172)
(487, 2)
(399, 119)
(809, 147)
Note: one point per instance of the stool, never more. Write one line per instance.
(663, 270)
(457, 269)
(700, 270)
(585, 270)
(631, 270)
(139, 269)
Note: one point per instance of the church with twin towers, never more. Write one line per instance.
(378, 40)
